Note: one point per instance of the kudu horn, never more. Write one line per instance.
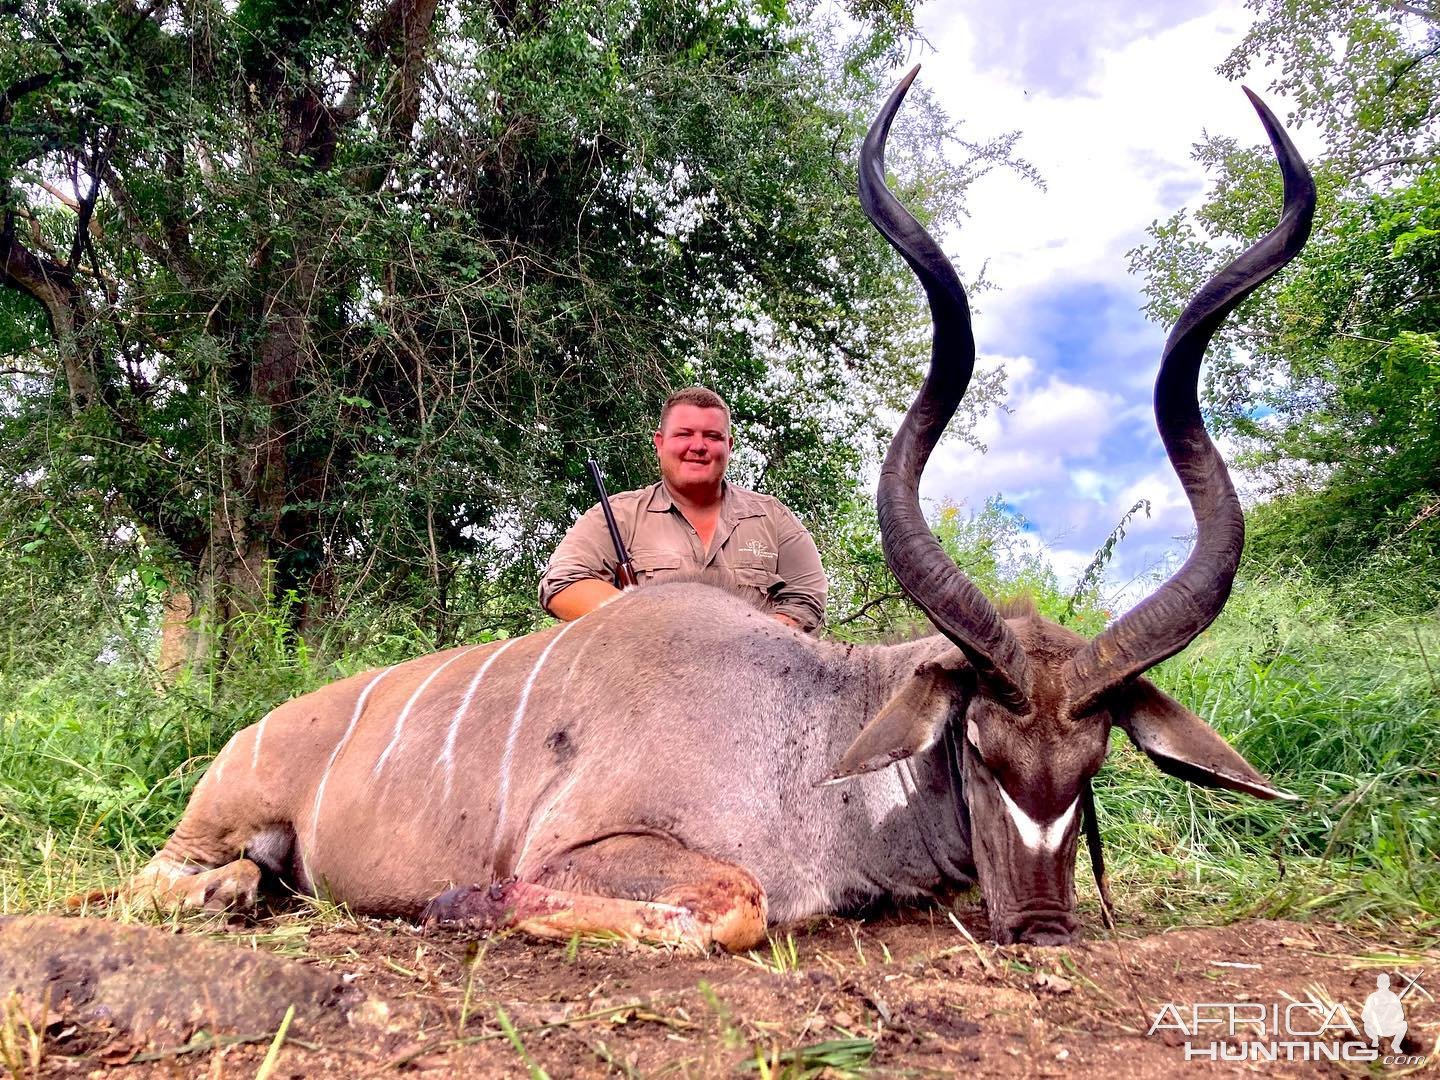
(957, 608)
(1171, 617)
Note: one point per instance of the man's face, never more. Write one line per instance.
(694, 447)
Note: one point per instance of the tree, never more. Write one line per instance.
(1345, 348)
(989, 545)
(329, 301)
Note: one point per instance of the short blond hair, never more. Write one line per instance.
(702, 397)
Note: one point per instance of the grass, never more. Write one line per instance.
(272, 1055)
(1347, 718)
(22, 1039)
(535, 1071)
(96, 765)
(97, 762)
(834, 1057)
(784, 958)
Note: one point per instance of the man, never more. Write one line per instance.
(692, 521)
(1384, 1015)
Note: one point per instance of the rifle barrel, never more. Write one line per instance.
(624, 568)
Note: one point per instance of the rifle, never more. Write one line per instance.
(624, 568)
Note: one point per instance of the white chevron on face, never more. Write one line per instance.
(1033, 835)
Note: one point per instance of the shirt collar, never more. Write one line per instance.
(735, 502)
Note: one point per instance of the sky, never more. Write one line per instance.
(1110, 97)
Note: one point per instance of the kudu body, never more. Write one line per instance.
(677, 767)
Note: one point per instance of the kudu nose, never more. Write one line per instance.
(1043, 928)
(1045, 936)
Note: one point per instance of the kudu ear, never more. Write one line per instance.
(911, 721)
(1183, 745)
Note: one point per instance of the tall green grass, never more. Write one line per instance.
(1345, 716)
(98, 758)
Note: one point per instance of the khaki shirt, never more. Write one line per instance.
(758, 545)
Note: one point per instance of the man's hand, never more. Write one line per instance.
(786, 619)
(581, 598)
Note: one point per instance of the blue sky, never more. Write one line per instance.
(1110, 96)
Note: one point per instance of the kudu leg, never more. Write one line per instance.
(169, 884)
(213, 859)
(642, 887)
(233, 885)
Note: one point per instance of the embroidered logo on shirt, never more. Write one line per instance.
(756, 548)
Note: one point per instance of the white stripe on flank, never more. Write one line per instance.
(217, 764)
(405, 712)
(255, 750)
(325, 776)
(537, 820)
(515, 722)
(1033, 835)
(447, 755)
(580, 652)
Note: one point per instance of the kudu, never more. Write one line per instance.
(669, 766)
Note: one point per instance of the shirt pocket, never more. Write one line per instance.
(758, 577)
(655, 565)
(752, 549)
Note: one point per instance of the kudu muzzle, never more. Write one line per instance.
(1025, 862)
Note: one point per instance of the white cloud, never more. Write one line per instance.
(1115, 156)
(1061, 417)
(1109, 96)
(1046, 423)
(1169, 514)
(1092, 485)
(1051, 46)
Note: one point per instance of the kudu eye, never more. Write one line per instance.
(987, 756)
(990, 753)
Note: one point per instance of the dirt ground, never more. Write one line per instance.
(906, 994)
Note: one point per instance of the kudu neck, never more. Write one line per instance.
(927, 835)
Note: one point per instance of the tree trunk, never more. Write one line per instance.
(180, 637)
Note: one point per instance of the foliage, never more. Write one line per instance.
(1345, 347)
(1089, 580)
(1346, 717)
(331, 301)
(97, 758)
(993, 547)
(1365, 73)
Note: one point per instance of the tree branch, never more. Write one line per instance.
(19, 88)
(403, 32)
(1419, 12)
(1409, 66)
(186, 270)
(86, 208)
(53, 287)
(866, 607)
(1406, 159)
